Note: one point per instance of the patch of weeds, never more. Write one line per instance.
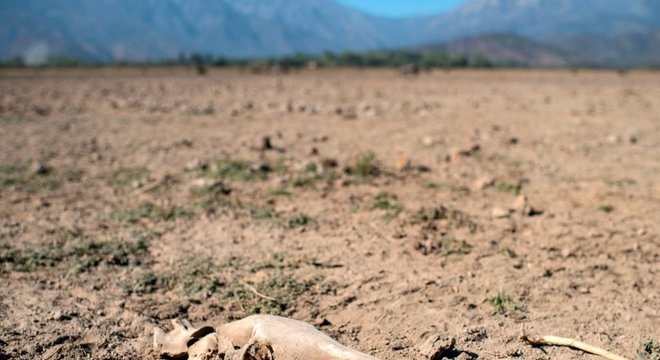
(606, 208)
(126, 177)
(278, 294)
(276, 261)
(152, 212)
(301, 220)
(192, 277)
(502, 303)
(507, 252)
(365, 166)
(263, 213)
(388, 202)
(21, 179)
(449, 245)
(434, 218)
(514, 189)
(433, 185)
(237, 170)
(649, 350)
(212, 197)
(460, 190)
(80, 257)
(310, 168)
(16, 119)
(622, 183)
(309, 180)
(444, 245)
(279, 192)
(9, 175)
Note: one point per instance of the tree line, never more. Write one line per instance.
(381, 58)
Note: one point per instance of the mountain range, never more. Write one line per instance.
(526, 32)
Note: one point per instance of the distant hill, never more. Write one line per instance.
(144, 29)
(542, 32)
(547, 19)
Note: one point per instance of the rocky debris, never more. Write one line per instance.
(348, 112)
(402, 163)
(483, 183)
(521, 205)
(614, 139)
(40, 169)
(456, 156)
(267, 145)
(649, 350)
(328, 163)
(195, 165)
(429, 141)
(205, 184)
(499, 213)
(437, 347)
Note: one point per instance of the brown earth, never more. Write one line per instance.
(381, 208)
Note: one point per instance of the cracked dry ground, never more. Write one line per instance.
(380, 208)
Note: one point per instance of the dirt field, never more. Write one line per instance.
(382, 209)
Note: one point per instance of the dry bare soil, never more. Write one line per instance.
(382, 209)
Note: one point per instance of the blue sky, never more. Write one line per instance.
(398, 8)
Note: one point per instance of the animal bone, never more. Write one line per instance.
(256, 337)
(175, 343)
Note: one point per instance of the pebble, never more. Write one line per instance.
(499, 213)
(437, 346)
(483, 183)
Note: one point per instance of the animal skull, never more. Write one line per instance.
(257, 337)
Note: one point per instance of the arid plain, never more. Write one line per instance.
(381, 208)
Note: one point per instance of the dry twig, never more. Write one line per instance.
(560, 341)
(256, 292)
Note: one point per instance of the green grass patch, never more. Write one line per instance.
(301, 220)
(20, 178)
(503, 303)
(606, 208)
(276, 292)
(505, 187)
(279, 192)
(449, 245)
(152, 212)
(388, 202)
(195, 277)
(81, 257)
(366, 166)
(127, 177)
(507, 252)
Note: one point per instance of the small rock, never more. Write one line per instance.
(402, 163)
(262, 168)
(40, 169)
(436, 347)
(320, 322)
(428, 141)
(614, 139)
(463, 356)
(328, 163)
(266, 143)
(499, 213)
(633, 139)
(483, 183)
(196, 165)
(210, 184)
(521, 203)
